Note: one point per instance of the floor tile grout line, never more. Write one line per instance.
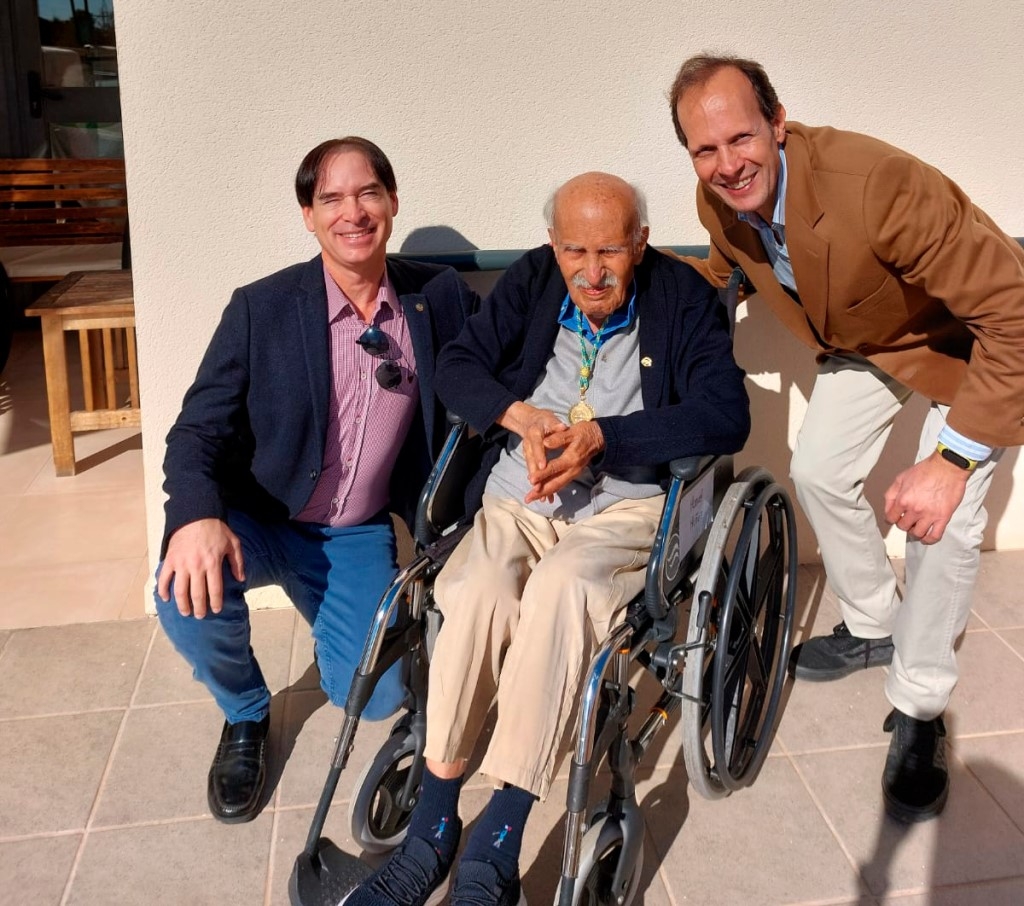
(145, 664)
(41, 835)
(106, 709)
(102, 785)
(269, 883)
(995, 799)
(73, 871)
(1013, 650)
(271, 854)
(832, 829)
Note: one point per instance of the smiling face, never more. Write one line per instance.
(734, 149)
(597, 242)
(352, 215)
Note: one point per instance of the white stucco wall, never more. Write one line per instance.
(484, 107)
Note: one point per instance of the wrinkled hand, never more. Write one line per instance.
(533, 425)
(194, 560)
(922, 499)
(579, 444)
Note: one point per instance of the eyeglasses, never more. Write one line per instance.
(378, 344)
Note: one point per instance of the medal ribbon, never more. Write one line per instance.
(588, 359)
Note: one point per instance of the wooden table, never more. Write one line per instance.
(101, 307)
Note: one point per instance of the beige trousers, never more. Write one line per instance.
(525, 598)
(849, 417)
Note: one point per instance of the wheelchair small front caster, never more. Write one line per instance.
(379, 812)
(605, 878)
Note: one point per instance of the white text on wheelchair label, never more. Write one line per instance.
(696, 511)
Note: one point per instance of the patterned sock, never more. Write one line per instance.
(498, 835)
(436, 816)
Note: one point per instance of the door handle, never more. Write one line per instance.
(36, 94)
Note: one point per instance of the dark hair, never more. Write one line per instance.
(699, 69)
(311, 170)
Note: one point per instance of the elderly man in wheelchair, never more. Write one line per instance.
(595, 361)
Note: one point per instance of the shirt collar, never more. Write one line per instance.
(779, 214)
(339, 304)
(618, 320)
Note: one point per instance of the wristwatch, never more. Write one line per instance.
(968, 465)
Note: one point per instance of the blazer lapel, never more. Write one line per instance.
(311, 307)
(807, 250)
(416, 307)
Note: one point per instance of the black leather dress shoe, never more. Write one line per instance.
(916, 779)
(238, 772)
(829, 657)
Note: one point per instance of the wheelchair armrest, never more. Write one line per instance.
(698, 483)
(442, 501)
(686, 468)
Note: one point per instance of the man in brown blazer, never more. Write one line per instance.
(885, 268)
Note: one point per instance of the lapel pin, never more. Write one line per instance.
(419, 306)
(646, 361)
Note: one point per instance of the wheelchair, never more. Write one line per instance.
(723, 565)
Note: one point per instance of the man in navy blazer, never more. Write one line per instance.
(312, 416)
(594, 362)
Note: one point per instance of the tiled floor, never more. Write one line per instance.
(71, 549)
(105, 740)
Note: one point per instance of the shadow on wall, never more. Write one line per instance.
(430, 240)
(439, 238)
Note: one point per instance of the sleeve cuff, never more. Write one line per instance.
(966, 447)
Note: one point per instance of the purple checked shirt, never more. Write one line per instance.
(367, 424)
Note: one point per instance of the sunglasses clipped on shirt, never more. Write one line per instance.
(375, 342)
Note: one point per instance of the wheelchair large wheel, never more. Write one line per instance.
(739, 636)
(600, 854)
(378, 819)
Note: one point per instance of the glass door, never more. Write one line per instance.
(67, 98)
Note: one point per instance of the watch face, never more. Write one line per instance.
(952, 456)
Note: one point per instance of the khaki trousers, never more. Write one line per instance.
(525, 598)
(849, 417)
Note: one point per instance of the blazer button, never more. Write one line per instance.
(312, 474)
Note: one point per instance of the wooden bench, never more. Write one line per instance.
(58, 216)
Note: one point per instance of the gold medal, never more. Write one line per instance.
(581, 412)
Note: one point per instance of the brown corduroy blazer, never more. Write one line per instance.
(894, 262)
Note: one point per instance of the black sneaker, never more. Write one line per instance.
(916, 780)
(479, 883)
(829, 657)
(413, 876)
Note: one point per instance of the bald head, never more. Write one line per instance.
(597, 224)
(601, 190)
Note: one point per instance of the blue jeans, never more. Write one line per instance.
(333, 576)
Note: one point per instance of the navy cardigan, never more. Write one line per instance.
(693, 394)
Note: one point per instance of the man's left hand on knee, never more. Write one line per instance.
(922, 499)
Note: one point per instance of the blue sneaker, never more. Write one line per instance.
(479, 883)
(415, 875)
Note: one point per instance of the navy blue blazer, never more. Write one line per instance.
(693, 394)
(252, 428)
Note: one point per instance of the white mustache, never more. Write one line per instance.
(608, 281)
